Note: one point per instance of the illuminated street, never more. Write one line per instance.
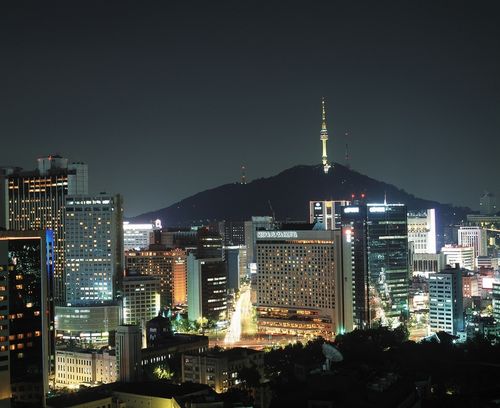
(241, 320)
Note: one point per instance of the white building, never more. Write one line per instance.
(422, 231)
(141, 298)
(473, 237)
(456, 254)
(85, 367)
(446, 301)
(93, 248)
(136, 236)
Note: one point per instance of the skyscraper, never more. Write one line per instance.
(473, 237)
(26, 316)
(327, 213)
(36, 199)
(375, 264)
(94, 248)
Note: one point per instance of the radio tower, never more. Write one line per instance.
(347, 156)
(243, 175)
(324, 136)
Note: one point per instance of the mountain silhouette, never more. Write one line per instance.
(288, 194)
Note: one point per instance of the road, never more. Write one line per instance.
(242, 318)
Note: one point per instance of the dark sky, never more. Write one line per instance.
(166, 98)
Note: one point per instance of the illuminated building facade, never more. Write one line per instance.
(422, 231)
(87, 324)
(326, 213)
(457, 254)
(85, 367)
(94, 248)
(446, 301)
(136, 236)
(141, 298)
(375, 264)
(128, 353)
(36, 202)
(170, 266)
(496, 300)
(232, 232)
(474, 237)
(26, 313)
(296, 282)
(207, 288)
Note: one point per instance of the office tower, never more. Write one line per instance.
(473, 237)
(446, 301)
(251, 227)
(375, 264)
(208, 244)
(471, 285)
(488, 204)
(141, 298)
(422, 231)
(456, 254)
(26, 315)
(174, 238)
(169, 265)
(327, 213)
(296, 282)
(36, 201)
(232, 232)
(128, 353)
(94, 248)
(207, 288)
(136, 236)
(232, 256)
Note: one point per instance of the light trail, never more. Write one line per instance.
(233, 334)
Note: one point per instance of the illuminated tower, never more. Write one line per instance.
(324, 136)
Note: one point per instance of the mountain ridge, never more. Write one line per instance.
(288, 194)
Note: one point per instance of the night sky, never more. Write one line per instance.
(167, 98)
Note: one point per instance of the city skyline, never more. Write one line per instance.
(206, 88)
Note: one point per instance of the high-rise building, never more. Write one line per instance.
(128, 353)
(327, 213)
(207, 288)
(297, 278)
(232, 256)
(26, 316)
(446, 301)
(488, 204)
(264, 223)
(169, 265)
(474, 237)
(457, 254)
(141, 298)
(36, 201)
(422, 231)
(375, 264)
(136, 236)
(94, 248)
(232, 232)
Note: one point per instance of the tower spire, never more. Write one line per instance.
(324, 136)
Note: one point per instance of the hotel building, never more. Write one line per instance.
(296, 281)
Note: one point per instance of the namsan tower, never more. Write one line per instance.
(324, 137)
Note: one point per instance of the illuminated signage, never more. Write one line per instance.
(377, 209)
(350, 210)
(277, 234)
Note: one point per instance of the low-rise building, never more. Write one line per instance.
(219, 369)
